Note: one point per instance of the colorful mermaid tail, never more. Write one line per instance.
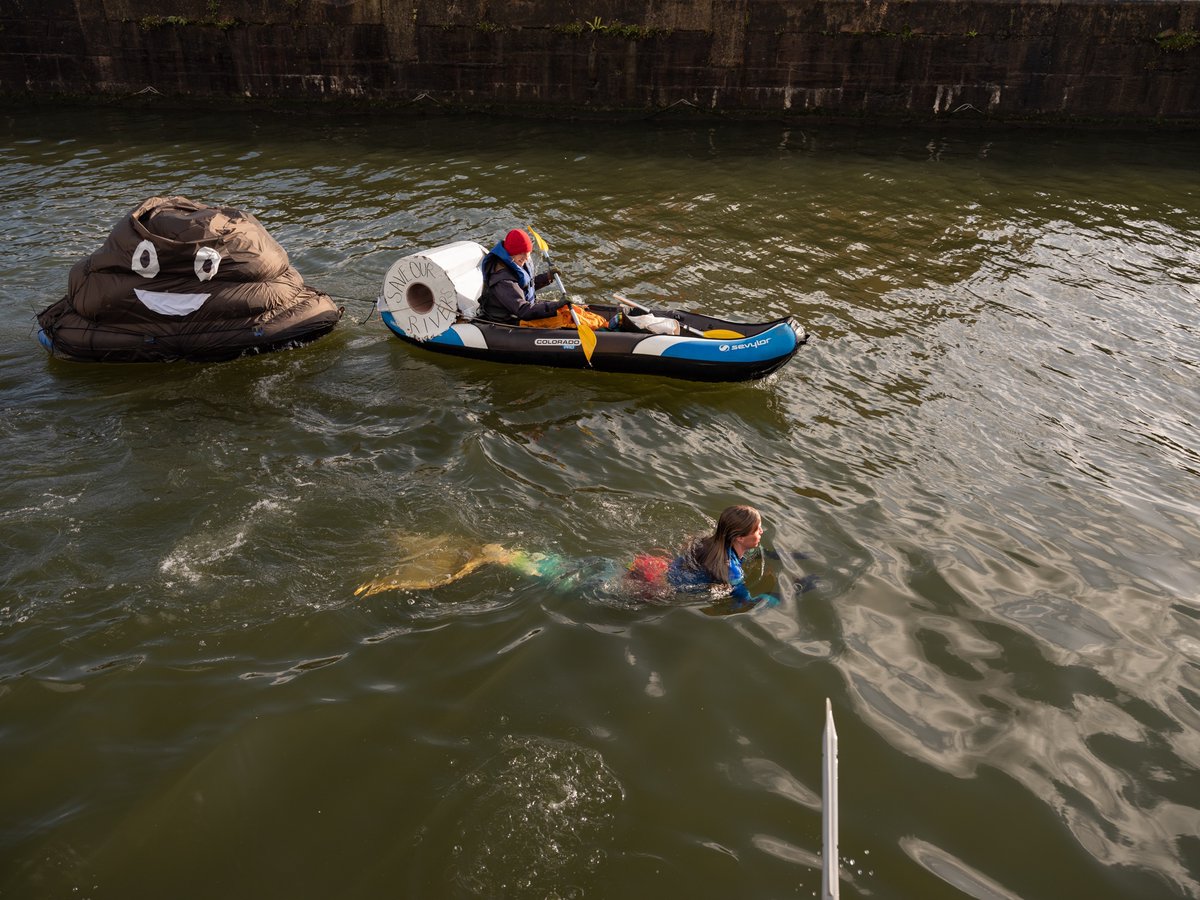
(536, 565)
(444, 560)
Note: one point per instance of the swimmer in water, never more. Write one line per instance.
(708, 561)
(716, 559)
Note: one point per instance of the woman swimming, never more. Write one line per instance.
(705, 562)
(716, 559)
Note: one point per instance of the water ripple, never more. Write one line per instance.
(979, 478)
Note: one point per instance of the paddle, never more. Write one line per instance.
(719, 334)
(587, 337)
(831, 876)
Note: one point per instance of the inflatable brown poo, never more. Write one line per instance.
(180, 280)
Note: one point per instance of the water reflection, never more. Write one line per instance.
(962, 697)
(986, 456)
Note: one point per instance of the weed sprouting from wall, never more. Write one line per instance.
(615, 29)
(1177, 41)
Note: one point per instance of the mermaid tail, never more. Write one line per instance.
(440, 560)
(536, 565)
(445, 559)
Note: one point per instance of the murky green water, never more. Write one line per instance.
(986, 458)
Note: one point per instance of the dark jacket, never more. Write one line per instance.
(508, 290)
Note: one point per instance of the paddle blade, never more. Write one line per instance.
(723, 334)
(587, 337)
(537, 239)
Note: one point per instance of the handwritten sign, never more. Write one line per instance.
(421, 296)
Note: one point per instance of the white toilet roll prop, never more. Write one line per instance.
(427, 291)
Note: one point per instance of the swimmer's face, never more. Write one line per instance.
(752, 539)
(748, 541)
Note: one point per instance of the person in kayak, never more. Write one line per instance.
(509, 285)
(716, 559)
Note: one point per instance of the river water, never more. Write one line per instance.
(980, 482)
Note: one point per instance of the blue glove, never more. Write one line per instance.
(807, 583)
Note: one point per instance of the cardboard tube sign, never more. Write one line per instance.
(426, 292)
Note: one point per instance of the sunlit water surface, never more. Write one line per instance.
(980, 478)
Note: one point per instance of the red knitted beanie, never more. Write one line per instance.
(517, 242)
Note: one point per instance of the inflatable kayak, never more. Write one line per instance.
(178, 279)
(763, 348)
(430, 300)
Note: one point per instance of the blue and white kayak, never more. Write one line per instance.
(431, 299)
(762, 349)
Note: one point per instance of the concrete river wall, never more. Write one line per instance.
(1052, 61)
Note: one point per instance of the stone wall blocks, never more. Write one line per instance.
(1085, 58)
(18, 10)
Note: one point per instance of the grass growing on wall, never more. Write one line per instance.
(1177, 41)
(149, 23)
(616, 29)
(213, 17)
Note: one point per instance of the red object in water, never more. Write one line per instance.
(649, 568)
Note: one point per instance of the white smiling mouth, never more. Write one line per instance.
(171, 304)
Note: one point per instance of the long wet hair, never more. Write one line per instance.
(711, 553)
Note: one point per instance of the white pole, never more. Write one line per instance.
(830, 877)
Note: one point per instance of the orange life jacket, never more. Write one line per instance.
(562, 319)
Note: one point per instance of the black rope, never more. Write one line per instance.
(370, 312)
(355, 300)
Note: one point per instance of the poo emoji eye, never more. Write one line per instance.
(207, 262)
(145, 260)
